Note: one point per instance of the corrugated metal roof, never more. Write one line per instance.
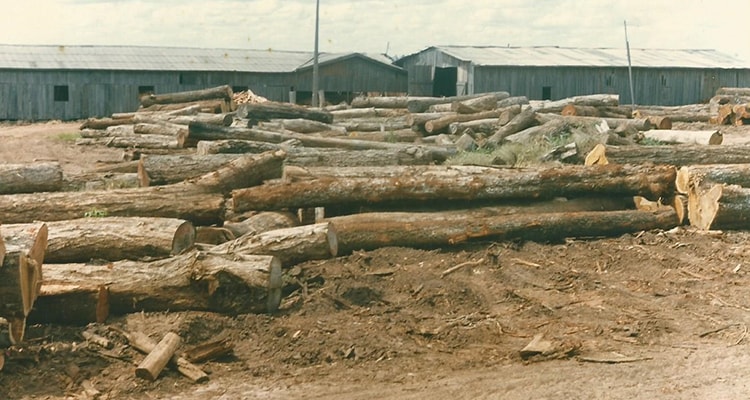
(325, 58)
(149, 58)
(594, 57)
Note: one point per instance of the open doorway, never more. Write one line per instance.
(444, 82)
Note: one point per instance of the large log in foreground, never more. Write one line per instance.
(679, 155)
(233, 284)
(273, 110)
(706, 176)
(154, 170)
(31, 177)
(113, 238)
(452, 183)
(429, 230)
(223, 92)
(21, 275)
(720, 207)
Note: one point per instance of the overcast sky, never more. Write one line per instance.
(398, 27)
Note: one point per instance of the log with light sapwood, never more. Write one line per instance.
(21, 272)
(374, 124)
(30, 177)
(315, 157)
(720, 207)
(100, 181)
(157, 359)
(733, 91)
(136, 141)
(223, 92)
(417, 120)
(507, 114)
(155, 170)
(103, 123)
(706, 176)
(437, 229)
(660, 121)
(407, 135)
(479, 104)
(290, 245)
(145, 344)
(163, 129)
(245, 171)
(208, 132)
(369, 112)
(679, 155)
(512, 101)
(596, 100)
(460, 183)
(712, 137)
(447, 107)
(205, 106)
(274, 110)
(233, 284)
(525, 119)
(686, 113)
(484, 126)
(740, 114)
(439, 125)
(383, 102)
(641, 124)
(262, 222)
(302, 125)
(223, 119)
(419, 105)
(113, 238)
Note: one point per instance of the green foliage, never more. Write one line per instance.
(68, 136)
(650, 142)
(95, 213)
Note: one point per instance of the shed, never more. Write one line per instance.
(660, 76)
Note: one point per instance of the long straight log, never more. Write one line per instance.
(370, 112)
(384, 101)
(272, 110)
(262, 222)
(441, 124)
(135, 142)
(154, 170)
(599, 100)
(704, 137)
(461, 183)
(679, 155)
(198, 281)
(706, 176)
(374, 124)
(437, 229)
(234, 146)
(733, 91)
(100, 181)
(399, 136)
(204, 106)
(475, 105)
(485, 126)
(641, 124)
(525, 119)
(223, 92)
(419, 105)
(103, 123)
(163, 128)
(113, 238)
(30, 177)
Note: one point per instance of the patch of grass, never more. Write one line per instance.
(95, 213)
(650, 142)
(68, 136)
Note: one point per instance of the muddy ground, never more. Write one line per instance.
(647, 315)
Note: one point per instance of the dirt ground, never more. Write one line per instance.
(649, 315)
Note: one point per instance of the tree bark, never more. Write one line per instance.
(679, 155)
(162, 129)
(439, 229)
(313, 157)
(418, 105)
(526, 119)
(31, 177)
(155, 170)
(290, 245)
(223, 92)
(273, 110)
(302, 125)
(197, 281)
(235, 146)
(104, 123)
(370, 112)
(224, 119)
(460, 183)
(113, 238)
(706, 176)
(374, 124)
(135, 141)
(406, 135)
(475, 105)
(21, 270)
(485, 126)
(712, 137)
(441, 124)
(641, 124)
(384, 102)
(262, 222)
(204, 106)
(597, 100)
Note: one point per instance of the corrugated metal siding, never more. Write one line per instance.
(420, 68)
(354, 75)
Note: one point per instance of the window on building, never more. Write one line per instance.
(61, 93)
(546, 92)
(237, 89)
(146, 89)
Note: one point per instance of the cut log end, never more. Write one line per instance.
(596, 156)
(703, 206)
(16, 329)
(184, 238)
(275, 283)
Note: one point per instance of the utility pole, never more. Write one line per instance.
(315, 56)
(630, 68)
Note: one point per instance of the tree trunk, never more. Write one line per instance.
(100, 181)
(375, 124)
(384, 102)
(595, 100)
(113, 238)
(460, 183)
(712, 137)
(154, 170)
(720, 207)
(441, 124)
(314, 157)
(485, 126)
(512, 101)
(291, 245)
(262, 222)
(526, 119)
(273, 110)
(234, 146)
(732, 91)
(162, 129)
(370, 112)
(475, 105)
(21, 270)
(679, 155)
(196, 281)
(660, 122)
(418, 105)
(407, 135)
(30, 178)
(641, 124)
(135, 141)
(104, 123)
(439, 229)
(242, 172)
(204, 106)
(706, 176)
(549, 130)
(417, 121)
(221, 92)
(301, 125)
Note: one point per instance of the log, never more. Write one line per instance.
(526, 119)
(154, 363)
(733, 91)
(262, 222)
(290, 245)
(213, 235)
(418, 120)
(103, 123)
(154, 170)
(384, 101)
(641, 124)
(223, 92)
(547, 130)
(145, 344)
(223, 119)
(597, 100)
(301, 125)
(398, 136)
(374, 124)
(197, 281)
(205, 106)
(484, 126)
(460, 183)
(512, 101)
(724, 207)
(30, 177)
(581, 111)
(135, 141)
(712, 137)
(441, 124)
(113, 238)
(245, 171)
(660, 122)
(273, 110)
(100, 181)
(234, 146)
(438, 229)
(679, 155)
(507, 114)
(708, 175)
(21, 271)
(312, 157)
(369, 112)
(162, 129)
(475, 105)
(418, 105)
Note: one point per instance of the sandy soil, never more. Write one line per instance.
(651, 315)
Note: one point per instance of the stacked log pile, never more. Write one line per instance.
(224, 209)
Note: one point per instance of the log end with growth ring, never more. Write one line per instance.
(184, 238)
(703, 206)
(275, 283)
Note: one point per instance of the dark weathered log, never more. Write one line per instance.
(526, 119)
(262, 222)
(272, 110)
(100, 181)
(438, 229)
(441, 124)
(135, 141)
(399, 136)
(245, 171)
(485, 126)
(31, 177)
(145, 344)
(234, 146)
(103, 123)
(679, 155)
(418, 105)
(290, 245)
(233, 284)
(154, 170)
(223, 92)
(21, 274)
(452, 183)
(113, 238)
(720, 207)
(660, 122)
(705, 137)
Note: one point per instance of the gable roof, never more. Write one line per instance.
(328, 58)
(586, 57)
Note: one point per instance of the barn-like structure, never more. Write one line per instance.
(660, 76)
(74, 82)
